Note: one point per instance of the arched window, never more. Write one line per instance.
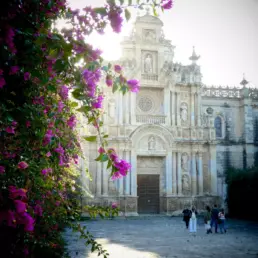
(218, 126)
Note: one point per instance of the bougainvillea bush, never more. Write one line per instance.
(40, 69)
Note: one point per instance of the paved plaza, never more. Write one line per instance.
(165, 237)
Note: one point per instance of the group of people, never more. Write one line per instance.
(212, 217)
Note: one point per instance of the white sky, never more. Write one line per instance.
(224, 33)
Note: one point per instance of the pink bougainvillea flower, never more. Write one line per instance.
(2, 170)
(47, 138)
(116, 175)
(2, 82)
(59, 149)
(46, 171)
(20, 206)
(118, 68)
(9, 39)
(115, 18)
(61, 161)
(71, 122)
(114, 205)
(60, 107)
(26, 76)
(58, 203)
(10, 129)
(28, 124)
(27, 220)
(133, 85)
(14, 70)
(109, 81)
(123, 167)
(48, 154)
(14, 192)
(167, 4)
(101, 150)
(98, 102)
(1, 72)
(64, 91)
(26, 251)
(14, 123)
(22, 165)
(91, 78)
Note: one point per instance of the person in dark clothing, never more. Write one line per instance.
(187, 215)
(215, 217)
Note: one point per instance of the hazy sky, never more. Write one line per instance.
(224, 33)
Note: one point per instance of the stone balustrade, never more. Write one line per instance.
(150, 77)
(151, 119)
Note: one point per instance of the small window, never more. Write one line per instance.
(218, 127)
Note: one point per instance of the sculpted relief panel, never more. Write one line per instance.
(151, 143)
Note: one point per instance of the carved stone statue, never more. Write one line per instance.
(148, 64)
(185, 184)
(184, 162)
(149, 35)
(151, 143)
(184, 112)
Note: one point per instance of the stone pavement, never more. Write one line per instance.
(165, 237)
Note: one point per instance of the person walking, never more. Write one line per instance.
(207, 220)
(193, 221)
(214, 218)
(186, 216)
(222, 221)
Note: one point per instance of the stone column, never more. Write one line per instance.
(213, 169)
(199, 109)
(178, 105)
(105, 179)
(120, 108)
(133, 107)
(173, 122)
(193, 174)
(192, 110)
(126, 109)
(179, 174)
(200, 174)
(98, 179)
(167, 105)
(127, 178)
(133, 174)
(169, 173)
(174, 183)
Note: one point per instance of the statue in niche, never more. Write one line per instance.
(148, 64)
(185, 184)
(184, 112)
(151, 143)
(184, 162)
(149, 35)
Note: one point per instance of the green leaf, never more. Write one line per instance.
(105, 68)
(109, 164)
(104, 157)
(127, 15)
(90, 138)
(100, 10)
(74, 104)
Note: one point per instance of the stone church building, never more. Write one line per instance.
(178, 134)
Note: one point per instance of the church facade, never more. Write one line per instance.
(179, 135)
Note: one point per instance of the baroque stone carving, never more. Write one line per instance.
(151, 143)
(185, 184)
(148, 64)
(184, 112)
(149, 35)
(145, 104)
(184, 162)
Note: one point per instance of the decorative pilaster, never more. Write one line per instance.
(98, 179)
(200, 174)
(179, 174)
(120, 108)
(167, 105)
(193, 174)
(133, 106)
(133, 174)
(192, 109)
(213, 169)
(173, 121)
(127, 178)
(199, 109)
(126, 108)
(105, 179)
(174, 183)
(169, 173)
(178, 119)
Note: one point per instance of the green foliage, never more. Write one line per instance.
(242, 192)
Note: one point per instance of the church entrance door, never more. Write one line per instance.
(148, 194)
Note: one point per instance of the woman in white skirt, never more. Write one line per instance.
(193, 221)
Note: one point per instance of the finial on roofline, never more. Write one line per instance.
(244, 82)
(194, 57)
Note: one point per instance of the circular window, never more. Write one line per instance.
(145, 104)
